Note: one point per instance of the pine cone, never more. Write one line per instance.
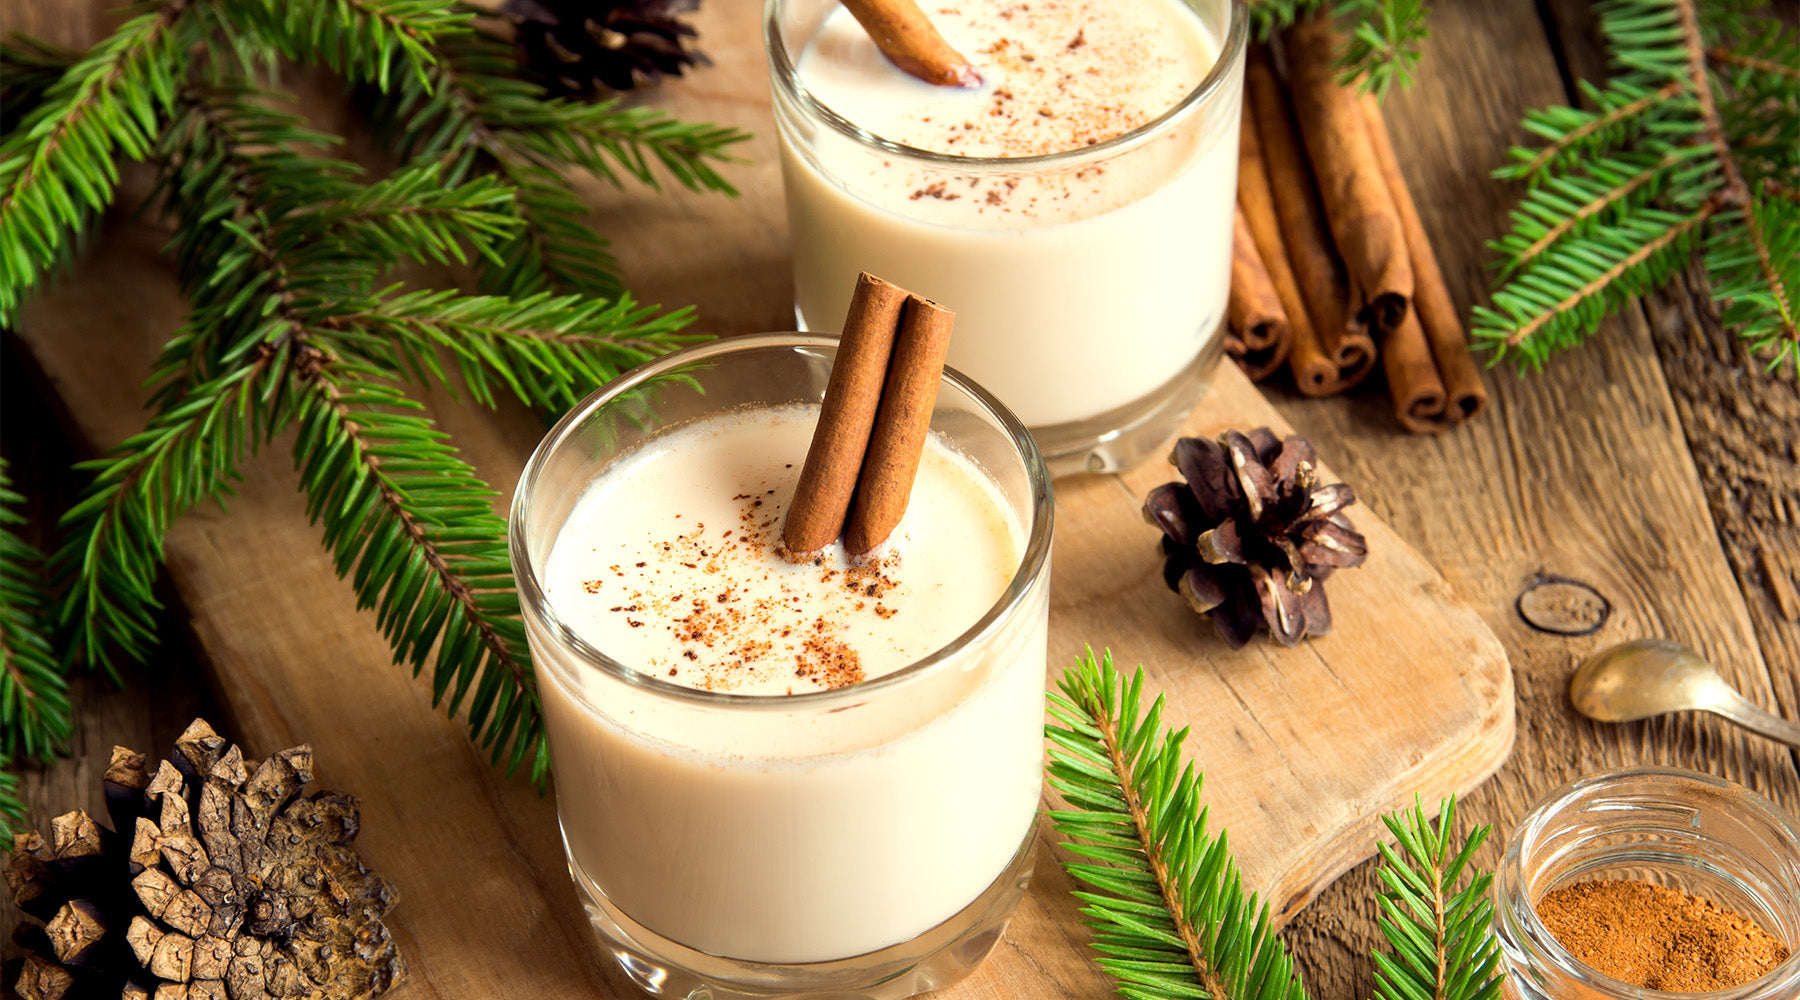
(570, 45)
(231, 886)
(1250, 536)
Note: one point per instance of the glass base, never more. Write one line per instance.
(1125, 437)
(933, 960)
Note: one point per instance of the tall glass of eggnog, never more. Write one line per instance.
(781, 779)
(1074, 209)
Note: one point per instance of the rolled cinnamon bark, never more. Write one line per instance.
(1256, 204)
(1412, 378)
(910, 41)
(897, 442)
(1358, 205)
(1341, 341)
(1258, 334)
(1465, 395)
(821, 501)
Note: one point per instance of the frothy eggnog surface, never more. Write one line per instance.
(668, 564)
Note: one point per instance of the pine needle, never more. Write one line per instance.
(36, 719)
(1439, 932)
(1169, 914)
(1163, 896)
(285, 254)
(12, 808)
(1684, 148)
(1385, 37)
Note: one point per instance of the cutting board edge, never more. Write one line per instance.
(1462, 768)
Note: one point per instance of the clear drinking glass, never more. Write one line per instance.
(1683, 829)
(868, 841)
(1099, 326)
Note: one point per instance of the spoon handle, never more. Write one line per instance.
(1748, 714)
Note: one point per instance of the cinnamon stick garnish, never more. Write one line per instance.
(1364, 221)
(846, 416)
(1256, 204)
(901, 424)
(1465, 395)
(1257, 334)
(907, 37)
(1339, 342)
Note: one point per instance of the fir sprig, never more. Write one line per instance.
(284, 252)
(1166, 905)
(1688, 148)
(476, 116)
(1437, 924)
(1385, 36)
(35, 716)
(1163, 896)
(58, 165)
(414, 528)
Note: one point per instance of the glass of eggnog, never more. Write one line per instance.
(1074, 209)
(778, 778)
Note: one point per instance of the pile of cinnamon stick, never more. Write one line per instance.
(1331, 271)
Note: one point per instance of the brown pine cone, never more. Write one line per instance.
(223, 883)
(573, 46)
(1250, 535)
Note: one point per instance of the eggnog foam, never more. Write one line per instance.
(669, 564)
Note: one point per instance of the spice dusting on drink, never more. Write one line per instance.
(1658, 938)
(747, 614)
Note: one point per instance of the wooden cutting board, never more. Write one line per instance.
(1302, 748)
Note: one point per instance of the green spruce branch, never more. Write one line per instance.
(35, 716)
(1691, 147)
(474, 115)
(1386, 37)
(58, 164)
(1163, 896)
(285, 253)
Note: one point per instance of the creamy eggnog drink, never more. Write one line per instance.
(767, 772)
(1075, 209)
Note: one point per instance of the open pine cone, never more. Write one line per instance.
(1250, 536)
(571, 45)
(231, 886)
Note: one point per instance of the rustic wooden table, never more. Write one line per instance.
(1655, 471)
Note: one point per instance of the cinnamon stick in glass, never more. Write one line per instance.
(907, 37)
(1340, 340)
(815, 518)
(1257, 334)
(902, 422)
(1364, 220)
(1465, 395)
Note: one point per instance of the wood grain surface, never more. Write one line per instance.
(1652, 464)
(1308, 744)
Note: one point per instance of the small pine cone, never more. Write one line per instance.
(223, 882)
(1250, 536)
(571, 46)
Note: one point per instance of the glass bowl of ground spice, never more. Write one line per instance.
(1651, 883)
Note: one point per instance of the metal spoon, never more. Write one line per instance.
(1645, 677)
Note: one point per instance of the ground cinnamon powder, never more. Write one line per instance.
(1658, 938)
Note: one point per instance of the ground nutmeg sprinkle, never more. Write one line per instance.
(1655, 937)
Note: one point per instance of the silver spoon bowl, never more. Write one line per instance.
(1645, 677)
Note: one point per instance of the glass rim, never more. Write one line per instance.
(534, 604)
(1511, 882)
(786, 78)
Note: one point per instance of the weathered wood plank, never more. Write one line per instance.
(1583, 470)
